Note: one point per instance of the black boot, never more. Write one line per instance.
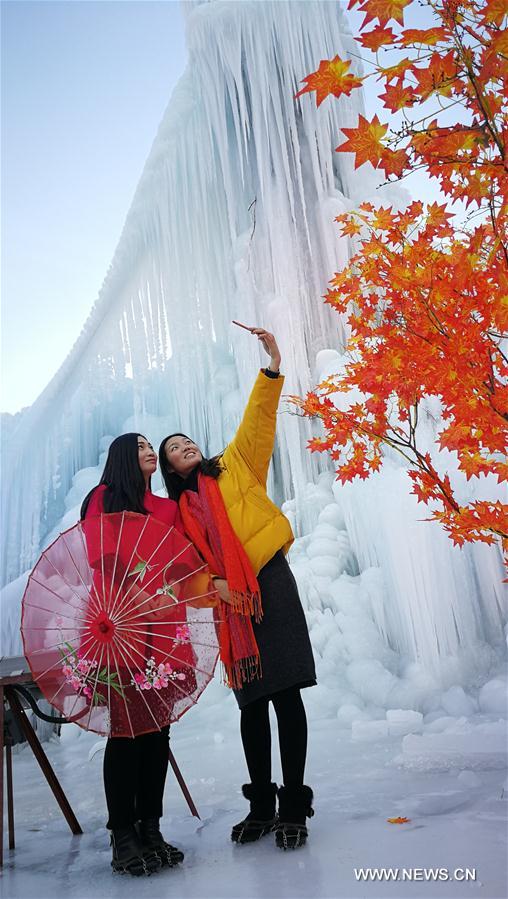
(294, 808)
(128, 855)
(261, 818)
(153, 841)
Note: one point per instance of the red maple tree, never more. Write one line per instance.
(426, 299)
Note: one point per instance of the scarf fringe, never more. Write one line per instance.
(247, 604)
(241, 672)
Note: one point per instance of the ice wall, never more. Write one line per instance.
(232, 218)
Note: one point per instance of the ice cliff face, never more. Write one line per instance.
(232, 218)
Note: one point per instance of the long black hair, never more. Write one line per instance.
(124, 480)
(175, 484)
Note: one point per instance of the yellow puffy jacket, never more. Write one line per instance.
(258, 523)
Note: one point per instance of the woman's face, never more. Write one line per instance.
(146, 457)
(182, 454)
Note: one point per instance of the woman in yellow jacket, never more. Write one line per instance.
(265, 648)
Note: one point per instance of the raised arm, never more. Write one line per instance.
(255, 436)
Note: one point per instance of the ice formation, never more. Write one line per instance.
(233, 219)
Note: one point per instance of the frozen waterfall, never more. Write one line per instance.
(232, 218)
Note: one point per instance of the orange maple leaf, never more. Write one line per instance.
(438, 75)
(349, 229)
(332, 77)
(398, 820)
(437, 215)
(377, 38)
(384, 10)
(383, 218)
(495, 11)
(364, 141)
(394, 162)
(427, 36)
(398, 70)
(397, 97)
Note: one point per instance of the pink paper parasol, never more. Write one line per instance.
(118, 624)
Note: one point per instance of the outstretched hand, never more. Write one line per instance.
(270, 345)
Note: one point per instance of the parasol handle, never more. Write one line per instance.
(183, 786)
(52, 719)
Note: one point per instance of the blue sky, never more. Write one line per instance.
(84, 87)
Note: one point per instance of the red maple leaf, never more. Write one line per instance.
(437, 75)
(427, 36)
(384, 10)
(495, 11)
(378, 37)
(332, 77)
(364, 141)
(396, 96)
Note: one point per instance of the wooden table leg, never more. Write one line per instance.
(1, 776)
(19, 713)
(183, 786)
(10, 797)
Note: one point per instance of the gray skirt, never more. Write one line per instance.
(282, 635)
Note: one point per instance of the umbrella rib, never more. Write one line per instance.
(102, 549)
(173, 605)
(90, 571)
(30, 627)
(125, 611)
(122, 693)
(36, 652)
(120, 649)
(189, 574)
(207, 621)
(173, 639)
(62, 657)
(95, 686)
(78, 694)
(66, 582)
(129, 564)
(170, 655)
(116, 560)
(157, 574)
(132, 599)
(30, 605)
(109, 688)
(173, 682)
(95, 608)
(62, 685)
(34, 580)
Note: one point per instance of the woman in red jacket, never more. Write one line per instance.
(135, 768)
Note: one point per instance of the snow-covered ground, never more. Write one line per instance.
(457, 804)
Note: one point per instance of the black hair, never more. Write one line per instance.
(175, 484)
(124, 480)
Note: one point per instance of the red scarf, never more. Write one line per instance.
(207, 524)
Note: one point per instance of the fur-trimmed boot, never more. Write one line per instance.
(295, 805)
(128, 854)
(261, 818)
(152, 841)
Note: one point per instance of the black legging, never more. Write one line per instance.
(256, 737)
(134, 777)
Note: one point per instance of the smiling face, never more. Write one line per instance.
(147, 457)
(182, 454)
